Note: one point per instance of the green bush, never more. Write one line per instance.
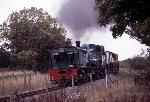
(139, 63)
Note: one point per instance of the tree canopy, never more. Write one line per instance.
(30, 33)
(32, 29)
(4, 58)
(126, 16)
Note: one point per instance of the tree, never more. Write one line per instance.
(126, 16)
(4, 58)
(32, 32)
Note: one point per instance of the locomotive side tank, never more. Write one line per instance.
(64, 64)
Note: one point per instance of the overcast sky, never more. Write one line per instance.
(79, 17)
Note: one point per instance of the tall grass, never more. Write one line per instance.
(121, 89)
(13, 82)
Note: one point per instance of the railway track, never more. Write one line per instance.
(29, 94)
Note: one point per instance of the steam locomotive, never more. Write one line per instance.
(76, 64)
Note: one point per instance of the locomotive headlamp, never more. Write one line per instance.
(71, 66)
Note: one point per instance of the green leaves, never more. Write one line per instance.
(27, 58)
(30, 32)
(125, 16)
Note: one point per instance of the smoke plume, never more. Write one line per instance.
(78, 15)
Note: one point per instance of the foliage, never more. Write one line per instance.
(4, 58)
(126, 16)
(24, 56)
(32, 29)
(29, 32)
(139, 63)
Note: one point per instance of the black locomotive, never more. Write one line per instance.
(76, 64)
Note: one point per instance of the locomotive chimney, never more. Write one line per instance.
(77, 43)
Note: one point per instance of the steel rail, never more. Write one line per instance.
(29, 93)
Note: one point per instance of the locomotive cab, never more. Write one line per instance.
(65, 62)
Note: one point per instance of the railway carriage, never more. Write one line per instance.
(112, 63)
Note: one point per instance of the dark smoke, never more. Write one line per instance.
(78, 15)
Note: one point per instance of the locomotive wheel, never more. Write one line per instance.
(116, 69)
(64, 83)
(102, 74)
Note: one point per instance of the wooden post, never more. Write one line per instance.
(106, 78)
(91, 77)
(29, 81)
(72, 81)
(3, 85)
(25, 81)
(15, 77)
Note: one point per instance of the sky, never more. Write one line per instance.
(79, 18)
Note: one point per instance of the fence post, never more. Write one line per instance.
(29, 81)
(25, 80)
(72, 81)
(3, 86)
